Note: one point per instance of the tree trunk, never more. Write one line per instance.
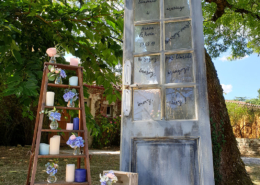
(229, 169)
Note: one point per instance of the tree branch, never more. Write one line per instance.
(222, 4)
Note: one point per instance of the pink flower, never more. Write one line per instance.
(51, 52)
(110, 121)
(111, 176)
(73, 137)
(57, 71)
(120, 115)
(115, 122)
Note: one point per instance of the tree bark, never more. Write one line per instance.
(229, 169)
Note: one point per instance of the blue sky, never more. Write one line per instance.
(239, 78)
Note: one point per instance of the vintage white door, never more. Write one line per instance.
(166, 135)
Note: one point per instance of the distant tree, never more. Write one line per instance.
(255, 101)
(240, 98)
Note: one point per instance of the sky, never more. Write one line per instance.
(239, 78)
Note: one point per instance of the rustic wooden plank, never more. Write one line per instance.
(59, 107)
(42, 104)
(64, 66)
(35, 128)
(61, 156)
(83, 117)
(62, 183)
(63, 86)
(50, 130)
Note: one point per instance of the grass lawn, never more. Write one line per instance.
(14, 166)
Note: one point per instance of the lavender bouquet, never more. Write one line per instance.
(75, 142)
(56, 74)
(51, 169)
(70, 96)
(108, 179)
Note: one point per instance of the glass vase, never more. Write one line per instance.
(54, 125)
(71, 103)
(52, 178)
(58, 80)
(109, 183)
(76, 151)
(53, 60)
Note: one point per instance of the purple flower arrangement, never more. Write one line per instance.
(74, 141)
(55, 72)
(51, 168)
(108, 178)
(54, 116)
(70, 96)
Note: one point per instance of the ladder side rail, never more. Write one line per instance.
(35, 128)
(83, 116)
(36, 153)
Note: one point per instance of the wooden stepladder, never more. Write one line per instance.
(39, 122)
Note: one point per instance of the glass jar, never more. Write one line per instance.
(52, 178)
(53, 60)
(54, 124)
(71, 103)
(58, 80)
(76, 151)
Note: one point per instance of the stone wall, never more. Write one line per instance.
(249, 146)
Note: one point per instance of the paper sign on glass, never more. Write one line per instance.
(178, 35)
(147, 70)
(179, 68)
(147, 104)
(180, 103)
(147, 38)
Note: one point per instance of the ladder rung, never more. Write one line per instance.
(62, 156)
(62, 183)
(67, 108)
(63, 86)
(50, 130)
(63, 66)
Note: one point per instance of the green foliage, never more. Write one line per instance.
(238, 112)
(255, 101)
(109, 133)
(238, 28)
(91, 31)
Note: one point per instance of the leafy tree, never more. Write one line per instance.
(240, 98)
(234, 25)
(90, 31)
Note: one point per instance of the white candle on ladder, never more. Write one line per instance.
(55, 145)
(70, 172)
(50, 98)
(69, 126)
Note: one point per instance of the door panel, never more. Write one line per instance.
(166, 135)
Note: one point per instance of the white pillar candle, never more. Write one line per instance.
(73, 80)
(50, 98)
(70, 172)
(69, 126)
(55, 145)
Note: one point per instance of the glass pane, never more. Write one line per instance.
(147, 70)
(178, 68)
(178, 35)
(147, 38)
(177, 8)
(146, 10)
(147, 104)
(180, 103)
